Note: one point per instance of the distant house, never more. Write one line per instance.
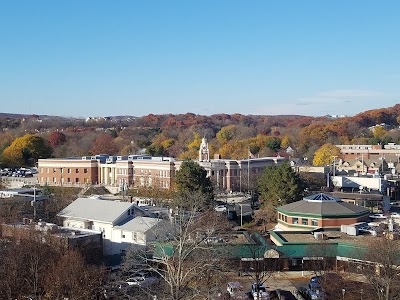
(121, 223)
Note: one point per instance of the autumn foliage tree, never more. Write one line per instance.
(26, 150)
(32, 264)
(325, 155)
(104, 144)
(56, 138)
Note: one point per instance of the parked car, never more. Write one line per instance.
(315, 279)
(220, 208)
(315, 291)
(378, 216)
(259, 292)
(135, 280)
(395, 215)
(140, 280)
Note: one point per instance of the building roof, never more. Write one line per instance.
(95, 210)
(322, 205)
(322, 198)
(139, 224)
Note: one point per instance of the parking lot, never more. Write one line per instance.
(286, 282)
(289, 283)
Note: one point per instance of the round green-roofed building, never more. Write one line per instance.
(319, 211)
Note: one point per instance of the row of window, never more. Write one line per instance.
(69, 170)
(68, 180)
(124, 171)
(297, 221)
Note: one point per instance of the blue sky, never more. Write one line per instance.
(104, 58)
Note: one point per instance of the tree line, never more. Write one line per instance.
(231, 136)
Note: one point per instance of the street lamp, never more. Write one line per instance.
(343, 293)
(241, 214)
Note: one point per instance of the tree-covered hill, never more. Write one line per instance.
(179, 135)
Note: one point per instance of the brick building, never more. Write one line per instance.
(319, 211)
(144, 170)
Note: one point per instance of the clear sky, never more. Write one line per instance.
(104, 58)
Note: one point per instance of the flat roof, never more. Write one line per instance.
(333, 237)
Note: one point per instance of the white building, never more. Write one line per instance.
(121, 223)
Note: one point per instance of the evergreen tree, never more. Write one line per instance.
(279, 185)
(192, 179)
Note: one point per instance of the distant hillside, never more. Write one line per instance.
(228, 135)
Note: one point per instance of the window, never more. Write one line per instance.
(304, 221)
(85, 170)
(285, 219)
(76, 180)
(54, 170)
(314, 222)
(69, 171)
(295, 220)
(134, 236)
(76, 170)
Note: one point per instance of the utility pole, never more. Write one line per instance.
(34, 203)
(362, 161)
(334, 165)
(248, 171)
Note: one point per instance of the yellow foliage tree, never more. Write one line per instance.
(168, 143)
(191, 153)
(227, 133)
(285, 142)
(196, 141)
(379, 131)
(325, 154)
(26, 150)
